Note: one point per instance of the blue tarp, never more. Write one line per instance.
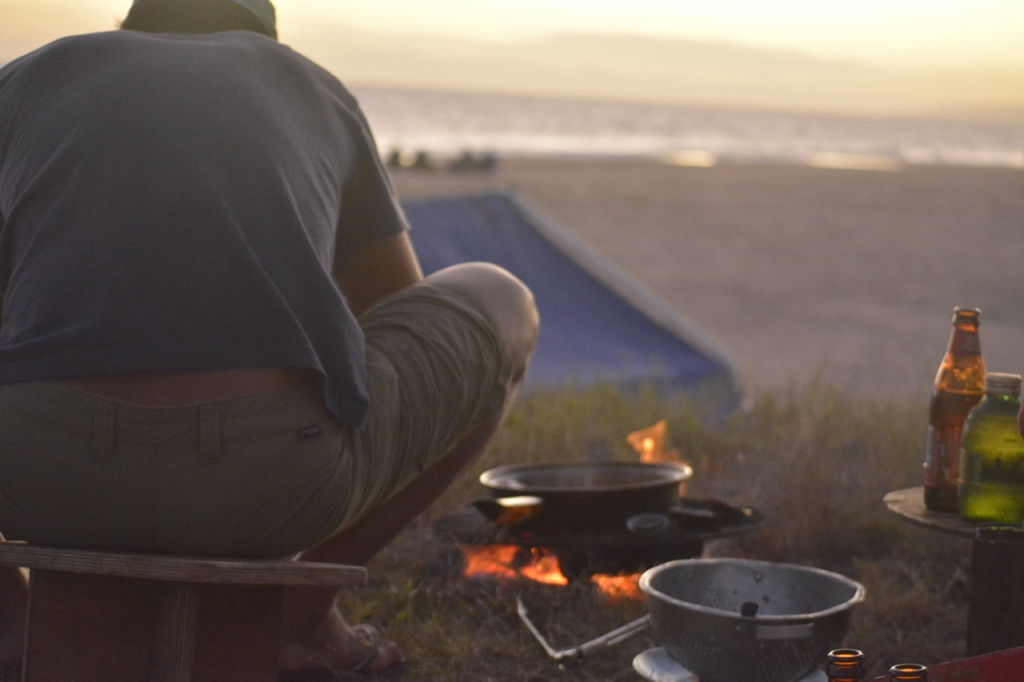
(597, 325)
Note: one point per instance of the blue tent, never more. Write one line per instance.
(597, 325)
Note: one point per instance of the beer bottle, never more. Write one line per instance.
(991, 484)
(908, 672)
(845, 665)
(958, 388)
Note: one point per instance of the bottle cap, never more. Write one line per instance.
(1001, 383)
(846, 664)
(907, 672)
(967, 315)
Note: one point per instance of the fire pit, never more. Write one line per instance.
(639, 542)
(595, 518)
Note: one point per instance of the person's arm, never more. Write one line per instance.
(382, 268)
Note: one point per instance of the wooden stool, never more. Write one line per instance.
(100, 616)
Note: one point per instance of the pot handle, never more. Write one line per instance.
(510, 510)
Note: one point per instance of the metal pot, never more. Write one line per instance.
(594, 497)
(734, 619)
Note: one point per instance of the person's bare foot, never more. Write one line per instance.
(334, 645)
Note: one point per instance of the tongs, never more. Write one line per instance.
(578, 652)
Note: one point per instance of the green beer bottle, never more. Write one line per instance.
(991, 483)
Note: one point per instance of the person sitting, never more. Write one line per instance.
(215, 337)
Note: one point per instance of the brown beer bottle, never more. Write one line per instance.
(958, 388)
(845, 665)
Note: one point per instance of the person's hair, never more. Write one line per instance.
(192, 16)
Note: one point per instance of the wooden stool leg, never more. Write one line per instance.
(238, 633)
(174, 634)
(88, 627)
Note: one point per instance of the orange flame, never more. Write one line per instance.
(618, 586)
(544, 568)
(650, 443)
(506, 562)
(493, 560)
(509, 562)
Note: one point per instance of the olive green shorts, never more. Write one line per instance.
(262, 476)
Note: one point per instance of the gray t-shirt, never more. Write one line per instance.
(179, 203)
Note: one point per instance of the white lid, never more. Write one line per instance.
(1002, 383)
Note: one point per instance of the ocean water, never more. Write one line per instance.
(445, 124)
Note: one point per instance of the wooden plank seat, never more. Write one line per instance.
(120, 617)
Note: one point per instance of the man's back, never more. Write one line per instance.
(178, 203)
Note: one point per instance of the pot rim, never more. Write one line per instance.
(858, 597)
(670, 473)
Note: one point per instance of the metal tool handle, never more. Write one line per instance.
(603, 642)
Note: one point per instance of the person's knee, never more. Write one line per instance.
(509, 302)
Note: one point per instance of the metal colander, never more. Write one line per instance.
(731, 619)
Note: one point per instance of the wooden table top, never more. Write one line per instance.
(909, 504)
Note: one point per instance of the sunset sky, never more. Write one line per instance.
(900, 32)
(908, 35)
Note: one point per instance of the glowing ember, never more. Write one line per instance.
(619, 586)
(508, 562)
(544, 568)
(497, 561)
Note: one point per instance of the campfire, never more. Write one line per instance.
(603, 523)
(534, 561)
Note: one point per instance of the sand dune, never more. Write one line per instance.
(801, 272)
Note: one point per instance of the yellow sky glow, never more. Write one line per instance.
(955, 57)
(891, 32)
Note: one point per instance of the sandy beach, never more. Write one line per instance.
(849, 276)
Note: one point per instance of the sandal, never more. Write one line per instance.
(360, 673)
(374, 637)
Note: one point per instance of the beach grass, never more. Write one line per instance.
(814, 461)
